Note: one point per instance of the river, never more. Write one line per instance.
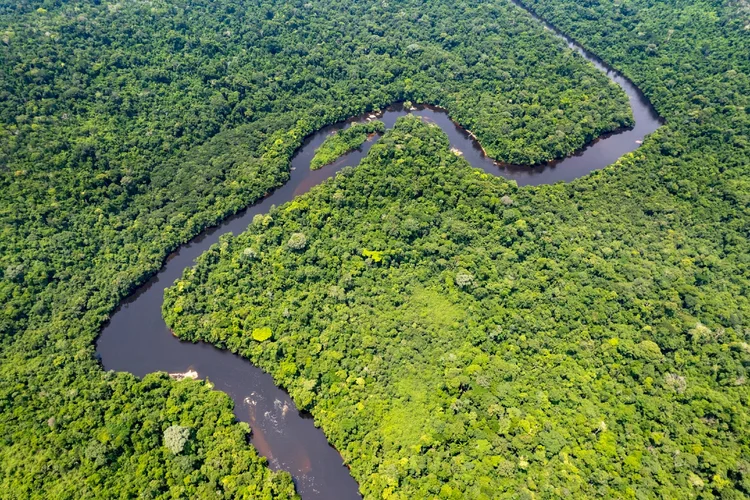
(137, 340)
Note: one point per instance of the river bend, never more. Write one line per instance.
(137, 340)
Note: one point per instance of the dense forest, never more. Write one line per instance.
(126, 128)
(458, 337)
(589, 338)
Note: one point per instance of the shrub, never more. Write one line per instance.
(249, 254)
(464, 279)
(298, 241)
(175, 438)
(261, 334)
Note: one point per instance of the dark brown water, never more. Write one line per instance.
(137, 340)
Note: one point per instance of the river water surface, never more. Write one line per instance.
(137, 340)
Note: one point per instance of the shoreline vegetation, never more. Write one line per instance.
(417, 318)
(343, 141)
(162, 123)
(125, 129)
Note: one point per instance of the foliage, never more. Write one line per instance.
(113, 435)
(588, 339)
(126, 128)
(261, 334)
(343, 141)
(176, 437)
(297, 241)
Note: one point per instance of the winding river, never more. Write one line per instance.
(137, 340)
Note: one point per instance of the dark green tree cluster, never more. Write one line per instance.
(689, 57)
(343, 141)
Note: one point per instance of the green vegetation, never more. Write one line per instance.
(261, 334)
(156, 438)
(459, 337)
(586, 339)
(343, 141)
(551, 340)
(126, 128)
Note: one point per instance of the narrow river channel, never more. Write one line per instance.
(137, 340)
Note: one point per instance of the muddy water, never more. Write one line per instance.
(137, 340)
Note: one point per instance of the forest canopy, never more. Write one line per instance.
(457, 336)
(463, 337)
(590, 338)
(127, 128)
